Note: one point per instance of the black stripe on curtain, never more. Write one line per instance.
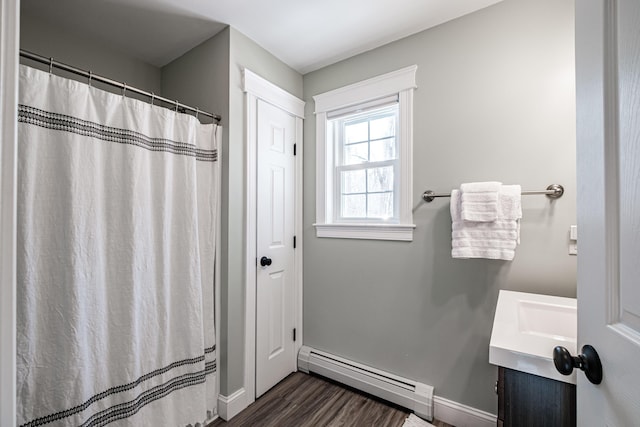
(55, 121)
(127, 409)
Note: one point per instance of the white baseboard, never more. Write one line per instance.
(460, 415)
(230, 406)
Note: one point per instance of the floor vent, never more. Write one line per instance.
(410, 394)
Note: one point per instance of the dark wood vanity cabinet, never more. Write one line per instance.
(526, 400)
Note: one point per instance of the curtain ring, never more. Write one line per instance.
(153, 96)
(50, 65)
(124, 88)
(197, 113)
(90, 77)
(176, 105)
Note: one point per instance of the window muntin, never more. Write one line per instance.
(366, 165)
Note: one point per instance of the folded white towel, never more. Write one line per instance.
(479, 201)
(454, 207)
(488, 253)
(480, 187)
(510, 198)
(469, 233)
(510, 205)
(507, 224)
(484, 243)
(487, 239)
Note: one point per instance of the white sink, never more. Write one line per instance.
(527, 327)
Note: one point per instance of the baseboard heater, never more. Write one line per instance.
(410, 394)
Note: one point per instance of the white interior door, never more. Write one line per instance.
(275, 293)
(608, 110)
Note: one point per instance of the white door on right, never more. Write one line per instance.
(608, 159)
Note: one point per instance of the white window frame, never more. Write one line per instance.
(400, 83)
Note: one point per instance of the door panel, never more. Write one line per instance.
(608, 149)
(628, 40)
(275, 297)
(276, 314)
(278, 201)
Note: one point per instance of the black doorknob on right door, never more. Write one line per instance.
(588, 361)
(265, 262)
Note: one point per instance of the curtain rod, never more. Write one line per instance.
(554, 191)
(53, 63)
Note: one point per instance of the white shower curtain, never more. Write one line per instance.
(117, 205)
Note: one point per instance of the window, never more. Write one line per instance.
(364, 165)
(366, 158)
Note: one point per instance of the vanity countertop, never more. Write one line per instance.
(526, 329)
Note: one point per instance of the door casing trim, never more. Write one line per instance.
(258, 88)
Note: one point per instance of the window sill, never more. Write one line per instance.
(402, 232)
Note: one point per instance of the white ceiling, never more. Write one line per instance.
(305, 34)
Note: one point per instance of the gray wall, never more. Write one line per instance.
(210, 76)
(495, 101)
(85, 52)
(200, 77)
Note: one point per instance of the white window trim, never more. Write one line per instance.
(402, 83)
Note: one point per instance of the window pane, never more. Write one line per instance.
(380, 179)
(356, 153)
(354, 181)
(364, 136)
(384, 149)
(380, 205)
(383, 127)
(356, 132)
(354, 206)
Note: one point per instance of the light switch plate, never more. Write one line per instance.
(573, 240)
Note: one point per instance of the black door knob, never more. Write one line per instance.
(588, 361)
(264, 261)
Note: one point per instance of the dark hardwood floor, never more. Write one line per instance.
(302, 400)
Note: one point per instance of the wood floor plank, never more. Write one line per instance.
(325, 413)
(352, 410)
(302, 400)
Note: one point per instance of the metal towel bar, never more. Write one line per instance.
(554, 191)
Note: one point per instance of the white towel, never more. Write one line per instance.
(480, 187)
(487, 239)
(510, 206)
(479, 201)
